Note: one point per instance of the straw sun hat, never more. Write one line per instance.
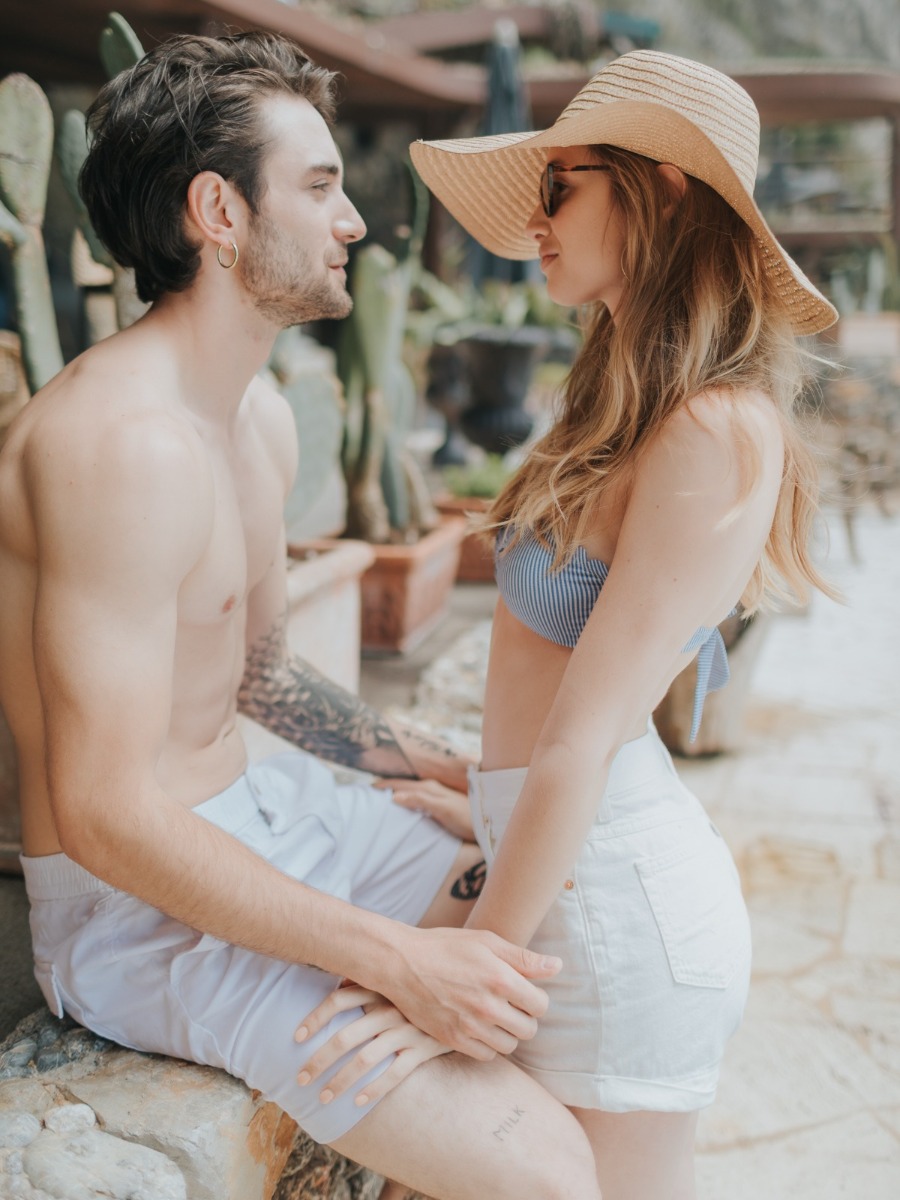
(663, 107)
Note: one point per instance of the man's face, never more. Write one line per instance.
(293, 264)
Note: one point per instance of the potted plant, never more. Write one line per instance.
(406, 590)
(489, 340)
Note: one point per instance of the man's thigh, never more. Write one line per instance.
(463, 1130)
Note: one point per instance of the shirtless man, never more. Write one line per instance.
(183, 902)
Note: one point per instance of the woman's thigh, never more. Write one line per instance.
(642, 1155)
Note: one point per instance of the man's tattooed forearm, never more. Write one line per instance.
(433, 745)
(469, 885)
(292, 699)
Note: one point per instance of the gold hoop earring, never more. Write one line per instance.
(227, 266)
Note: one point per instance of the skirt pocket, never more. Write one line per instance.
(695, 897)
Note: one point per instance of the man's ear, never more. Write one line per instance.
(676, 185)
(213, 207)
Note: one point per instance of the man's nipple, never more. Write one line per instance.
(229, 603)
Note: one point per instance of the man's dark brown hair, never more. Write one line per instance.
(190, 105)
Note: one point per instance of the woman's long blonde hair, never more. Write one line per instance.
(698, 312)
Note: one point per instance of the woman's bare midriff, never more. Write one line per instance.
(524, 674)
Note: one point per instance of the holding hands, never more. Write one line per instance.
(464, 990)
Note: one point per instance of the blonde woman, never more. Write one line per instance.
(673, 486)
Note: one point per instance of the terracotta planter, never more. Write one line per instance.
(476, 558)
(406, 590)
(324, 605)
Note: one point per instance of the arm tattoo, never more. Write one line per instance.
(432, 745)
(469, 885)
(292, 699)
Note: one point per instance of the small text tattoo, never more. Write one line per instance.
(509, 1123)
(469, 885)
(429, 743)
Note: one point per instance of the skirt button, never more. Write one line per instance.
(569, 884)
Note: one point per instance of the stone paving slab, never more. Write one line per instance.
(809, 1101)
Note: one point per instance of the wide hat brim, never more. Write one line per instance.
(491, 185)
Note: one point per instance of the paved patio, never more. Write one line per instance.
(809, 1104)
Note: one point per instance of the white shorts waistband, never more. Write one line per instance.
(637, 762)
(57, 877)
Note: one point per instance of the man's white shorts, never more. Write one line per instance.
(134, 975)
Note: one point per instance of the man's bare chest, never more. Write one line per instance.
(245, 539)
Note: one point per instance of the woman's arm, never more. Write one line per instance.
(683, 556)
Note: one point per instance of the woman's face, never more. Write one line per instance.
(581, 244)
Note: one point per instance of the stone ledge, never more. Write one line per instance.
(82, 1118)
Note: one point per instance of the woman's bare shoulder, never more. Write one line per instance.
(732, 414)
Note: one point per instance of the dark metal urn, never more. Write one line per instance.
(501, 364)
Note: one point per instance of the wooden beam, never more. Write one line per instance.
(363, 55)
(433, 31)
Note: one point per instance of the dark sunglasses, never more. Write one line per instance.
(550, 187)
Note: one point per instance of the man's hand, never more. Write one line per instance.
(447, 806)
(381, 1031)
(467, 988)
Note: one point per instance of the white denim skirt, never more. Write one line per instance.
(654, 937)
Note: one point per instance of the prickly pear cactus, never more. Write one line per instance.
(71, 151)
(26, 146)
(120, 47)
(381, 401)
(303, 371)
(388, 499)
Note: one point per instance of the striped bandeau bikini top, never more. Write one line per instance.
(557, 604)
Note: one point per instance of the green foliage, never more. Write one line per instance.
(445, 315)
(482, 479)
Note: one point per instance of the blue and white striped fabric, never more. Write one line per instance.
(556, 605)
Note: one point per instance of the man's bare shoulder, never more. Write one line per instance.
(103, 447)
(106, 414)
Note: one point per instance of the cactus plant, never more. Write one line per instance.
(120, 47)
(387, 499)
(71, 151)
(26, 147)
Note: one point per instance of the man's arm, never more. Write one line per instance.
(291, 698)
(120, 526)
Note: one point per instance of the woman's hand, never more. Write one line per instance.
(385, 1031)
(447, 806)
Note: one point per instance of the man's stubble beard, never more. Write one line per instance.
(286, 286)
